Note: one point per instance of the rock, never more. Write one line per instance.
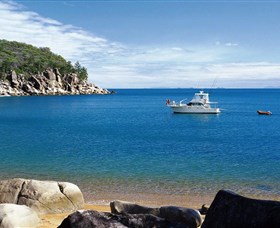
(72, 79)
(50, 75)
(92, 218)
(183, 215)
(50, 82)
(26, 87)
(12, 215)
(10, 190)
(204, 209)
(131, 208)
(188, 217)
(89, 219)
(36, 83)
(58, 79)
(42, 196)
(13, 79)
(231, 210)
(56, 72)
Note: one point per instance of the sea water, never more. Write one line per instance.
(131, 143)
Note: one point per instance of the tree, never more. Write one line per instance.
(81, 71)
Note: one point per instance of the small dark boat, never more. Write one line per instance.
(264, 112)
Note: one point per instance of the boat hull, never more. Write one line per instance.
(264, 112)
(194, 110)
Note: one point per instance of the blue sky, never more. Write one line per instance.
(144, 44)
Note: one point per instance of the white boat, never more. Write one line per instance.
(200, 104)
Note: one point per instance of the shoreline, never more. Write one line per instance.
(191, 200)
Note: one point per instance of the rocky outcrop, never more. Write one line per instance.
(50, 82)
(177, 215)
(92, 218)
(231, 210)
(42, 196)
(12, 215)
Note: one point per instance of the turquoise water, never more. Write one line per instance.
(131, 142)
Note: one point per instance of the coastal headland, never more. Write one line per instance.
(29, 70)
(49, 82)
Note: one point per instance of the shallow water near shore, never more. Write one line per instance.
(130, 145)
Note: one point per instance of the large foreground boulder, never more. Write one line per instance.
(12, 215)
(92, 218)
(187, 216)
(42, 196)
(230, 210)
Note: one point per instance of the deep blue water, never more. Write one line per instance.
(132, 142)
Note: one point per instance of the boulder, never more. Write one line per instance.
(12, 215)
(36, 83)
(42, 196)
(118, 207)
(13, 79)
(231, 210)
(50, 75)
(183, 215)
(92, 218)
(28, 88)
(72, 79)
(10, 190)
(203, 210)
(188, 217)
(58, 79)
(56, 72)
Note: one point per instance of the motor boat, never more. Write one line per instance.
(260, 112)
(199, 104)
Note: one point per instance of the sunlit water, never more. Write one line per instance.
(131, 143)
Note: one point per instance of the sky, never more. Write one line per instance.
(156, 44)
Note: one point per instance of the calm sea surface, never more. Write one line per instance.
(131, 143)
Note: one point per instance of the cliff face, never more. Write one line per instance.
(49, 82)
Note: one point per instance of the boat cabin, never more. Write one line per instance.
(200, 97)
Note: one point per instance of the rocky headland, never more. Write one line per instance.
(29, 70)
(49, 82)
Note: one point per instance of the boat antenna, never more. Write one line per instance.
(214, 84)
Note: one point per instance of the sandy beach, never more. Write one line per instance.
(54, 220)
(155, 200)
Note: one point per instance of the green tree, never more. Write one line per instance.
(81, 71)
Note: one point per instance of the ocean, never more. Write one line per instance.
(131, 146)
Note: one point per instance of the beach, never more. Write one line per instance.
(194, 202)
(54, 220)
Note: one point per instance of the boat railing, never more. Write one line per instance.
(182, 101)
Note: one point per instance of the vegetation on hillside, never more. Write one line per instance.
(27, 60)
